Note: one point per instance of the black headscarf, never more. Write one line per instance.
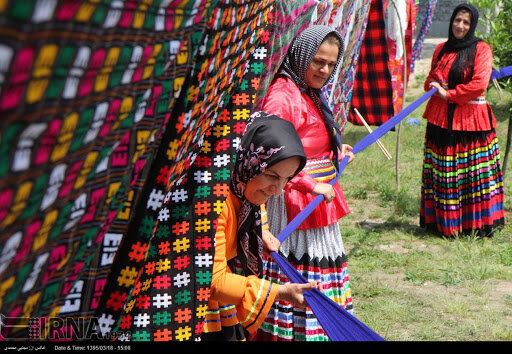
(295, 65)
(267, 140)
(461, 71)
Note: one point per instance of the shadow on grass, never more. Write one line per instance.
(501, 106)
(371, 230)
(502, 112)
(405, 227)
(352, 137)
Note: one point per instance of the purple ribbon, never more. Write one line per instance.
(501, 73)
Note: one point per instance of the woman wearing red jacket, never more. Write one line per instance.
(316, 247)
(462, 180)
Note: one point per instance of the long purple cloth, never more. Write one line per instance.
(501, 73)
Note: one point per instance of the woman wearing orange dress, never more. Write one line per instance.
(270, 154)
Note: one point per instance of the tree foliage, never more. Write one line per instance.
(496, 22)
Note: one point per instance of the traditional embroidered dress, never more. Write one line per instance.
(462, 181)
(316, 247)
(244, 299)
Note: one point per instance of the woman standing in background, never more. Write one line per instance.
(462, 180)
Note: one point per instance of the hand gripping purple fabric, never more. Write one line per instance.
(338, 323)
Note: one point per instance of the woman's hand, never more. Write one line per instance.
(270, 242)
(326, 190)
(346, 150)
(294, 293)
(441, 92)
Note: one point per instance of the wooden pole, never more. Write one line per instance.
(397, 165)
(382, 148)
(498, 88)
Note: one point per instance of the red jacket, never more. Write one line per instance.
(285, 100)
(472, 113)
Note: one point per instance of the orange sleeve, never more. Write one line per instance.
(251, 295)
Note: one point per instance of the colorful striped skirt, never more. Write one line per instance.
(318, 254)
(462, 183)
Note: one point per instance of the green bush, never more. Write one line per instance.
(496, 19)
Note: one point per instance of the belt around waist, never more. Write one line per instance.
(478, 100)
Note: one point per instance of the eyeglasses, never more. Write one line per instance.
(318, 63)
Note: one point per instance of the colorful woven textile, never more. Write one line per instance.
(283, 25)
(423, 31)
(171, 237)
(373, 91)
(86, 94)
(350, 19)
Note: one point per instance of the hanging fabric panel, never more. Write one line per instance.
(168, 298)
(424, 29)
(372, 94)
(87, 89)
(401, 23)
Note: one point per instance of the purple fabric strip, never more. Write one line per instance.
(501, 73)
(338, 323)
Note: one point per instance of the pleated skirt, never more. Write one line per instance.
(318, 254)
(462, 183)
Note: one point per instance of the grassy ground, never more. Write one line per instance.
(407, 284)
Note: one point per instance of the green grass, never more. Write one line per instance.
(408, 284)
